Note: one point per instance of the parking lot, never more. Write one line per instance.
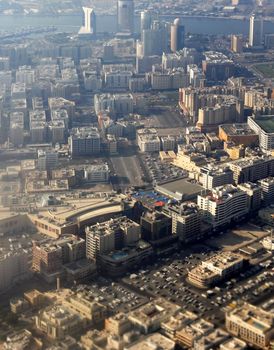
(116, 297)
(159, 171)
(167, 278)
(127, 171)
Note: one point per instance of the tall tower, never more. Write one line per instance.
(256, 28)
(146, 20)
(125, 14)
(89, 21)
(177, 36)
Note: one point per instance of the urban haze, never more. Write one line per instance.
(136, 175)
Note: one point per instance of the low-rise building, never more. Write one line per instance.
(149, 317)
(58, 321)
(239, 134)
(233, 344)
(189, 160)
(187, 336)
(148, 140)
(97, 173)
(251, 324)
(177, 322)
(151, 342)
(215, 269)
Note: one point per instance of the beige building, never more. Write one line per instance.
(148, 318)
(58, 321)
(84, 305)
(251, 324)
(188, 335)
(118, 324)
(152, 342)
(188, 160)
(215, 269)
(177, 322)
(233, 344)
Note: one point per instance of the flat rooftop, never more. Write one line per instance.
(188, 188)
(266, 123)
(237, 129)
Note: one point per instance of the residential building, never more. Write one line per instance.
(211, 177)
(254, 192)
(267, 186)
(148, 140)
(97, 173)
(263, 126)
(84, 141)
(252, 169)
(111, 235)
(223, 204)
(186, 221)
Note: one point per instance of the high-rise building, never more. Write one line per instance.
(111, 235)
(125, 14)
(146, 20)
(89, 21)
(47, 159)
(267, 186)
(177, 36)
(255, 31)
(154, 40)
(211, 177)
(236, 43)
(84, 141)
(186, 221)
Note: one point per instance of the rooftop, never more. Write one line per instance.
(237, 129)
(266, 122)
(255, 317)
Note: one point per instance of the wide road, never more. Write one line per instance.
(128, 171)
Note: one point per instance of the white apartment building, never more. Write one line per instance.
(148, 140)
(97, 173)
(263, 126)
(223, 204)
(111, 235)
(211, 177)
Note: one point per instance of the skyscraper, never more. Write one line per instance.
(155, 39)
(255, 31)
(177, 36)
(146, 20)
(89, 21)
(125, 14)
